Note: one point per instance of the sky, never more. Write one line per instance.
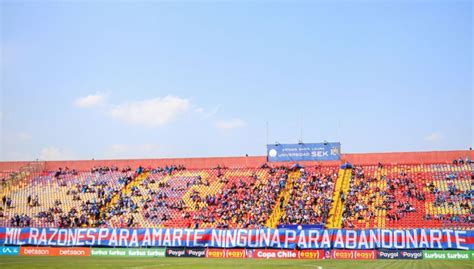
(153, 79)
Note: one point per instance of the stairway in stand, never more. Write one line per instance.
(278, 210)
(337, 206)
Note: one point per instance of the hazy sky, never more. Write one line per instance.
(82, 80)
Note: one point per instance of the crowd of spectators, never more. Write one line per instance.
(462, 161)
(66, 171)
(365, 197)
(243, 202)
(247, 204)
(168, 169)
(310, 198)
(90, 212)
(20, 220)
(457, 201)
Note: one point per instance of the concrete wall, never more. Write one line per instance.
(254, 161)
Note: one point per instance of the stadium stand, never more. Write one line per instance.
(403, 196)
(434, 192)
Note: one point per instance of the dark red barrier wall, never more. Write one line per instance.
(255, 161)
(408, 157)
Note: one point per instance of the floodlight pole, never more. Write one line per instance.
(266, 124)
